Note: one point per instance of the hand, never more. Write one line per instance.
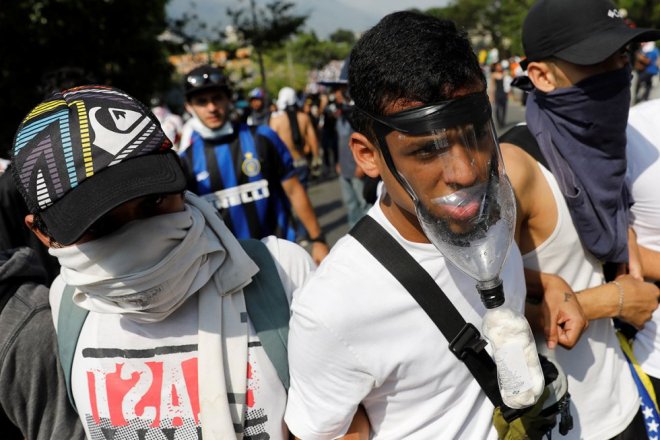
(559, 314)
(319, 251)
(640, 299)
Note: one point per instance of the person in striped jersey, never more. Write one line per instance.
(246, 172)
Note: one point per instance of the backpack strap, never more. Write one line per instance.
(268, 307)
(521, 137)
(292, 115)
(70, 320)
(464, 339)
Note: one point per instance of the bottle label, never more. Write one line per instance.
(512, 370)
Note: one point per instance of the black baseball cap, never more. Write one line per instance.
(582, 32)
(84, 151)
(203, 78)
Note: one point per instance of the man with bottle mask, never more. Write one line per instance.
(357, 336)
(573, 211)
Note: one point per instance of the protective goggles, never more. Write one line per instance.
(447, 159)
(214, 78)
(471, 109)
(437, 134)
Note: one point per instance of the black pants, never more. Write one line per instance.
(500, 110)
(644, 79)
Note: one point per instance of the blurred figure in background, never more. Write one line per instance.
(646, 64)
(499, 96)
(171, 123)
(258, 113)
(245, 172)
(295, 128)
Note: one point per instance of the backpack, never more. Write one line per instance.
(265, 301)
(298, 141)
(521, 137)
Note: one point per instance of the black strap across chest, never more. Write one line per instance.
(464, 339)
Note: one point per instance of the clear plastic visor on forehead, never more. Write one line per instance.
(447, 158)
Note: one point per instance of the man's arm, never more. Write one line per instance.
(311, 140)
(328, 380)
(551, 304)
(33, 391)
(551, 300)
(359, 429)
(302, 206)
(632, 300)
(650, 262)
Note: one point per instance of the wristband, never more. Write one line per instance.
(319, 239)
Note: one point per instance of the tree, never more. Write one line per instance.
(266, 28)
(501, 20)
(50, 43)
(643, 13)
(343, 36)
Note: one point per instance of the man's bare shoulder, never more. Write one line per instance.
(521, 168)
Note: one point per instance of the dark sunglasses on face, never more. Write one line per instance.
(212, 78)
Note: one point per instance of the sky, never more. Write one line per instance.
(325, 16)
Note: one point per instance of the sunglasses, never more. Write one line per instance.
(206, 78)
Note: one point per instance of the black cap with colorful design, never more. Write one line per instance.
(84, 151)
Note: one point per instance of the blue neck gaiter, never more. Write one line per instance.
(581, 131)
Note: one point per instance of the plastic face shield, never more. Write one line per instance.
(447, 158)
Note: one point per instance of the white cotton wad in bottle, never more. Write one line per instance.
(519, 373)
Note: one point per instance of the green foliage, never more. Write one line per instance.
(290, 64)
(644, 13)
(498, 23)
(343, 36)
(308, 50)
(108, 42)
(268, 27)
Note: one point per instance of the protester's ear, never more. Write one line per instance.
(29, 222)
(189, 108)
(365, 154)
(542, 76)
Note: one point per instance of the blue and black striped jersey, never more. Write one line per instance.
(241, 175)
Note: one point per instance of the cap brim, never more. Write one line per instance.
(600, 46)
(335, 83)
(206, 87)
(73, 214)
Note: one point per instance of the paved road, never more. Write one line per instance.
(326, 196)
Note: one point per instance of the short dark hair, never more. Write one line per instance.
(409, 55)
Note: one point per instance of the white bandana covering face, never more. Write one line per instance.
(147, 269)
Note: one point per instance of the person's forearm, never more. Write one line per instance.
(600, 301)
(650, 262)
(302, 206)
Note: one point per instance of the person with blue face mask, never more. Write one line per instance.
(567, 167)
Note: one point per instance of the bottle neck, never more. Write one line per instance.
(492, 294)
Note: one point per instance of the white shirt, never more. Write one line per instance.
(357, 336)
(140, 380)
(643, 175)
(604, 398)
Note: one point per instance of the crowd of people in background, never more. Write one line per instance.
(165, 275)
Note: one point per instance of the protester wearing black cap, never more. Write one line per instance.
(246, 172)
(573, 212)
(167, 345)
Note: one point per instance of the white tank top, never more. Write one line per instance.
(603, 393)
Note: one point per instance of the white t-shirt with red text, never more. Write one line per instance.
(139, 381)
